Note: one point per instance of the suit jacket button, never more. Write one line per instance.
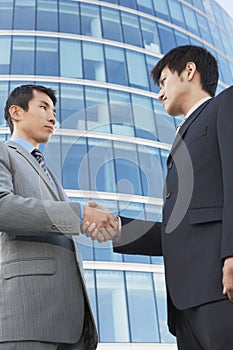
(168, 195)
(170, 164)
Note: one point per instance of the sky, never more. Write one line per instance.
(227, 5)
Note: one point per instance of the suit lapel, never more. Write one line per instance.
(187, 124)
(33, 162)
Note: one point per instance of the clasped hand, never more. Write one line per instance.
(99, 223)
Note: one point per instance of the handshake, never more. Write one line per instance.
(99, 223)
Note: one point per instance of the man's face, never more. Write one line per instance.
(173, 91)
(37, 123)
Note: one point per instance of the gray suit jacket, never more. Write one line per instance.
(42, 290)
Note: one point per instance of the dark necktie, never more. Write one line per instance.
(40, 159)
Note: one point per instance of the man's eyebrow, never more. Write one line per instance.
(47, 104)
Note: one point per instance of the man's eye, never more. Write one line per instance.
(43, 107)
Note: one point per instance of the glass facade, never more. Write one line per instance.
(113, 136)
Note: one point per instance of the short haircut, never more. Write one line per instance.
(177, 58)
(21, 96)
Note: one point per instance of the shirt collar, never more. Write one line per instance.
(193, 108)
(23, 143)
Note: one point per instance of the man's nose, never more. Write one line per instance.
(52, 118)
(160, 95)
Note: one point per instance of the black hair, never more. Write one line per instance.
(177, 58)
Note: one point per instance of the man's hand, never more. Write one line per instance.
(228, 278)
(99, 223)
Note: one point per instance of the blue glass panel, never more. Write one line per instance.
(112, 309)
(46, 56)
(146, 6)
(204, 28)
(3, 98)
(103, 252)
(161, 9)
(160, 291)
(199, 4)
(91, 288)
(128, 3)
(115, 65)
(167, 38)
(91, 22)
(6, 14)
(122, 119)
(47, 15)
(111, 24)
(142, 309)
(94, 65)
(151, 62)
(75, 169)
(225, 70)
(151, 171)
(190, 19)
(97, 110)
(72, 105)
(23, 55)
(131, 30)
(132, 210)
(165, 124)
(24, 15)
(176, 13)
(214, 31)
(137, 70)
(154, 212)
(70, 64)
(69, 19)
(144, 118)
(5, 49)
(127, 168)
(100, 157)
(150, 35)
(181, 38)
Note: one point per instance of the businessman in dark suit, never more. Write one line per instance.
(43, 300)
(196, 233)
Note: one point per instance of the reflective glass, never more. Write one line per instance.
(165, 124)
(91, 288)
(151, 171)
(102, 173)
(24, 15)
(111, 24)
(214, 31)
(104, 252)
(137, 70)
(167, 38)
(6, 14)
(150, 35)
(69, 19)
(93, 62)
(199, 4)
(145, 6)
(91, 23)
(46, 56)
(154, 212)
(70, 59)
(176, 13)
(161, 9)
(144, 118)
(23, 55)
(128, 3)
(127, 168)
(181, 38)
(160, 292)
(112, 308)
(72, 105)
(122, 119)
(75, 168)
(97, 110)
(142, 309)
(151, 62)
(47, 15)
(204, 28)
(5, 49)
(190, 19)
(115, 65)
(225, 70)
(3, 98)
(131, 29)
(132, 210)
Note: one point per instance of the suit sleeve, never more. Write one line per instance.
(139, 237)
(225, 140)
(32, 216)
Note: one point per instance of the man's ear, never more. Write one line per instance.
(191, 70)
(15, 113)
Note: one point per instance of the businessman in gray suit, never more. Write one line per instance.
(43, 299)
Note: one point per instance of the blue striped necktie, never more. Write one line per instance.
(40, 159)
